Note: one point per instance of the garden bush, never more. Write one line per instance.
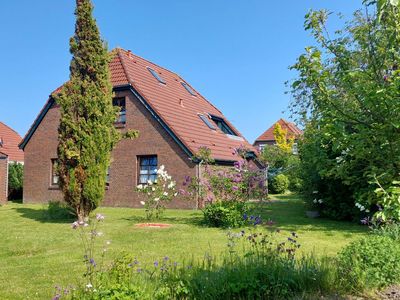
(225, 214)
(15, 181)
(279, 184)
(370, 262)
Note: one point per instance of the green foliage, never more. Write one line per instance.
(282, 162)
(347, 94)
(283, 140)
(57, 210)
(225, 214)
(391, 230)
(370, 263)
(266, 268)
(15, 180)
(86, 131)
(279, 184)
(389, 201)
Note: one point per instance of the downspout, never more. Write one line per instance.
(199, 185)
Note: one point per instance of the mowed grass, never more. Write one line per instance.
(37, 253)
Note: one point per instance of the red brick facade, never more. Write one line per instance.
(153, 140)
(3, 178)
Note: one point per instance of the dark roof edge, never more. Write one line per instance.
(36, 123)
(51, 101)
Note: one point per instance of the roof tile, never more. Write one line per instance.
(9, 140)
(291, 128)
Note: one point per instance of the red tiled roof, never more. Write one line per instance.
(291, 128)
(176, 106)
(173, 104)
(9, 140)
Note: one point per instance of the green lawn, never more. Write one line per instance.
(36, 253)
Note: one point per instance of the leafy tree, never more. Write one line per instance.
(86, 131)
(347, 94)
(15, 180)
(283, 140)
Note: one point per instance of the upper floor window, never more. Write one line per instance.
(188, 88)
(156, 75)
(147, 169)
(222, 125)
(54, 175)
(121, 103)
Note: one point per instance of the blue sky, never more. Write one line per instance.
(236, 53)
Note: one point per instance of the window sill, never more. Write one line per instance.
(54, 187)
(120, 125)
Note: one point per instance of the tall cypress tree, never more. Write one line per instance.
(86, 131)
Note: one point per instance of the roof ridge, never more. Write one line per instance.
(131, 53)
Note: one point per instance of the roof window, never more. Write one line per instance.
(156, 75)
(220, 122)
(207, 121)
(188, 88)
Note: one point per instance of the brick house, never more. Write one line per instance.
(267, 138)
(173, 120)
(9, 153)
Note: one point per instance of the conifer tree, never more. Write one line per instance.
(86, 131)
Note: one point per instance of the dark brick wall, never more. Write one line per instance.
(3, 178)
(153, 140)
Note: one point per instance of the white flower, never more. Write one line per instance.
(89, 285)
(315, 192)
(362, 208)
(156, 199)
(315, 201)
(99, 233)
(320, 201)
(153, 189)
(142, 202)
(140, 186)
(367, 210)
(176, 194)
(108, 242)
(165, 194)
(171, 185)
(149, 182)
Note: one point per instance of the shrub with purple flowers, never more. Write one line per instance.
(224, 191)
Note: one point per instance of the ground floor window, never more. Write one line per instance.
(147, 168)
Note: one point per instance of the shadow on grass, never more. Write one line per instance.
(42, 215)
(288, 212)
(192, 219)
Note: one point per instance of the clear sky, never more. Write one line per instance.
(235, 52)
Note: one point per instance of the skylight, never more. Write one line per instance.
(188, 88)
(207, 121)
(223, 126)
(156, 75)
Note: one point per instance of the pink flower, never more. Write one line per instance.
(75, 225)
(99, 217)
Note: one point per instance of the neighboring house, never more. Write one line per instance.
(173, 120)
(9, 152)
(267, 138)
